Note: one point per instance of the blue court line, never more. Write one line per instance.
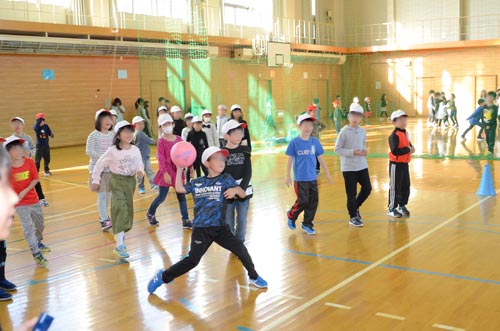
(242, 328)
(189, 305)
(389, 266)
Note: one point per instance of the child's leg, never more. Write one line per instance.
(312, 204)
(149, 171)
(230, 215)
(140, 181)
(467, 130)
(490, 138)
(404, 174)
(37, 217)
(3, 258)
(102, 206)
(39, 191)
(46, 158)
(181, 198)
(122, 209)
(162, 195)
(241, 225)
(201, 239)
(38, 157)
(392, 186)
(351, 184)
(302, 193)
(480, 134)
(28, 228)
(227, 240)
(363, 178)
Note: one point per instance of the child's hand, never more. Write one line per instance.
(288, 181)
(140, 174)
(167, 177)
(94, 187)
(360, 153)
(329, 178)
(412, 149)
(22, 194)
(191, 172)
(230, 193)
(28, 325)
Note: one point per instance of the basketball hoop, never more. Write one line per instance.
(259, 46)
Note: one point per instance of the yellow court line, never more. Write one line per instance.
(295, 312)
(446, 327)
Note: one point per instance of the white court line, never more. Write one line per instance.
(394, 317)
(61, 189)
(294, 312)
(210, 280)
(14, 249)
(251, 288)
(336, 305)
(65, 182)
(107, 260)
(446, 327)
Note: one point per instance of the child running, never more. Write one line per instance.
(142, 141)
(165, 177)
(302, 152)
(125, 163)
(351, 146)
(23, 178)
(98, 143)
(209, 224)
(475, 119)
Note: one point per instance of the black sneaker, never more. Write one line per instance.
(187, 224)
(393, 212)
(404, 211)
(7, 286)
(4, 296)
(152, 220)
(355, 221)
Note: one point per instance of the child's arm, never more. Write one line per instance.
(324, 166)
(205, 140)
(103, 161)
(288, 179)
(247, 170)
(394, 143)
(230, 193)
(49, 132)
(90, 147)
(179, 185)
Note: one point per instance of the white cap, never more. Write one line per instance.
(188, 115)
(17, 119)
(113, 112)
(304, 117)
(197, 119)
(137, 119)
(162, 108)
(235, 106)
(206, 112)
(11, 139)
(231, 125)
(211, 151)
(356, 108)
(175, 109)
(165, 118)
(355, 100)
(122, 124)
(100, 111)
(398, 113)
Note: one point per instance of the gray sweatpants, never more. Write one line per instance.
(31, 218)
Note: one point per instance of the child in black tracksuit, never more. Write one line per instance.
(43, 133)
(198, 139)
(489, 120)
(399, 173)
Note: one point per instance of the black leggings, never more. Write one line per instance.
(3, 258)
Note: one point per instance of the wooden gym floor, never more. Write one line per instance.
(437, 270)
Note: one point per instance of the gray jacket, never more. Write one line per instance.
(349, 140)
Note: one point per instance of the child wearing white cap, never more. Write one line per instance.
(97, 144)
(188, 125)
(176, 112)
(239, 166)
(351, 146)
(221, 120)
(210, 196)
(302, 152)
(125, 163)
(198, 138)
(142, 141)
(209, 128)
(237, 115)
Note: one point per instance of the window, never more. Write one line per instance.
(252, 13)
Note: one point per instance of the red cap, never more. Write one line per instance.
(2, 139)
(311, 108)
(40, 115)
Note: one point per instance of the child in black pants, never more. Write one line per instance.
(43, 133)
(209, 224)
(198, 139)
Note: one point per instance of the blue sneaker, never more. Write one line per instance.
(152, 220)
(291, 224)
(141, 190)
(4, 296)
(259, 282)
(121, 252)
(43, 248)
(308, 230)
(7, 286)
(155, 282)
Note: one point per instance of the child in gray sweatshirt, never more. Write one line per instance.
(351, 146)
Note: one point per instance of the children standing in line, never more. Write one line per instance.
(17, 126)
(166, 173)
(475, 119)
(209, 225)
(209, 128)
(142, 141)
(125, 163)
(176, 112)
(221, 120)
(188, 126)
(399, 173)
(43, 133)
(198, 139)
(237, 114)
(239, 166)
(98, 143)
(490, 117)
(23, 178)
(351, 146)
(302, 152)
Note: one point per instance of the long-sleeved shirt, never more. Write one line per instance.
(349, 140)
(199, 140)
(475, 118)
(178, 126)
(124, 162)
(142, 141)
(221, 120)
(43, 133)
(185, 132)
(318, 126)
(28, 145)
(211, 132)
(246, 136)
(165, 163)
(490, 114)
(239, 166)
(97, 144)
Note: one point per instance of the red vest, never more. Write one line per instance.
(403, 142)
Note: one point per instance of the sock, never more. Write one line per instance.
(120, 238)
